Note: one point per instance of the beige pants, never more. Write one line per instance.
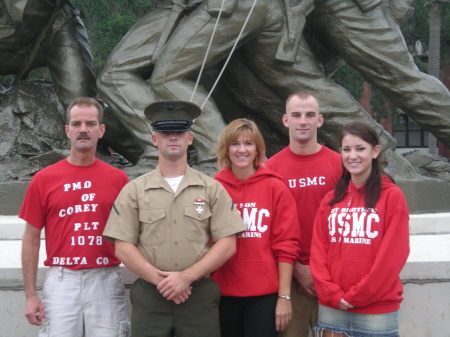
(304, 314)
(87, 302)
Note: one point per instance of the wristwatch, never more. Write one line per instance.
(286, 297)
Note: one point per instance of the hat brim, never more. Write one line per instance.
(171, 126)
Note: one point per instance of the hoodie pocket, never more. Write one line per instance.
(253, 276)
(348, 273)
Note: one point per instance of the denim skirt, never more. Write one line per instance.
(357, 325)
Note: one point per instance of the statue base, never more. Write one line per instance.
(425, 195)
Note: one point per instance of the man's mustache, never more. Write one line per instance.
(83, 136)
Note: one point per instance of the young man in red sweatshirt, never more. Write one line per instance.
(310, 170)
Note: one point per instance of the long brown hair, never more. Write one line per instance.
(372, 187)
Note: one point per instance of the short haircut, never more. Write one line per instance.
(303, 95)
(85, 101)
(233, 131)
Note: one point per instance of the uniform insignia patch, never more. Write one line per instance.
(199, 203)
(115, 209)
(199, 209)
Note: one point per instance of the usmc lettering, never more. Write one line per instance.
(307, 181)
(353, 225)
(254, 220)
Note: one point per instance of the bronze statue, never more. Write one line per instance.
(363, 32)
(37, 33)
(161, 57)
(368, 38)
(123, 81)
(50, 33)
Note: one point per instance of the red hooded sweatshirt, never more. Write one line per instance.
(357, 253)
(270, 215)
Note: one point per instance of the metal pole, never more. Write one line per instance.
(434, 54)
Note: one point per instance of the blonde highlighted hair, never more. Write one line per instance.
(232, 132)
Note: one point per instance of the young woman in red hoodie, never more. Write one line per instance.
(255, 283)
(360, 244)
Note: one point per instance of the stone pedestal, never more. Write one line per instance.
(426, 195)
(426, 278)
(11, 197)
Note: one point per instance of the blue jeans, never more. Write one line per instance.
(357, 325)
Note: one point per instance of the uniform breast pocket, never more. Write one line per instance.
(197, 223)
(152, 225)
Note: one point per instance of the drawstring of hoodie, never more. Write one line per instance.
(349, 203)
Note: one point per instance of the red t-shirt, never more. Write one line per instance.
(309, 178)
(73, 204)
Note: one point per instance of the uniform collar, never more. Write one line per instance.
(156, 180)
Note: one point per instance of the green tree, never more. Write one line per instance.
(107, 21)
(417, 28)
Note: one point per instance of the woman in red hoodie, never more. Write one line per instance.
(360, 244)
(255, 283)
